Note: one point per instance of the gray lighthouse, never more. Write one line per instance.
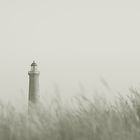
(33, 84)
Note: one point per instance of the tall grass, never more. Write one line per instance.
(85, 119)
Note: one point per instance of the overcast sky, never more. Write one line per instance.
(72, 41)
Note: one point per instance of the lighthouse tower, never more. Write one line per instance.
(33, 84)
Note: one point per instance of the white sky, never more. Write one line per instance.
(72, 41)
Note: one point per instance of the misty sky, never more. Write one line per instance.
(72, 41)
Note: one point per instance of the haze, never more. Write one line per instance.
(72, 41)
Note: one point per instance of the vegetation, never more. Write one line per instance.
(85, 119)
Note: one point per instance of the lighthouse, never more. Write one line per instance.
(33, 84)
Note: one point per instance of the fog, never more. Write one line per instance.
(77, 41)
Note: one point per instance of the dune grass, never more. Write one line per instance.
(88, 120)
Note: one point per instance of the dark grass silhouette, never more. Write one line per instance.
(89, 120)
